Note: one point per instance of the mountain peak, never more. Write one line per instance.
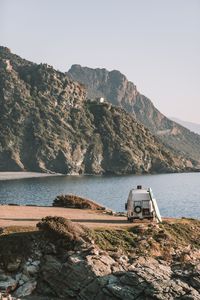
(112, 85)
(79, 68)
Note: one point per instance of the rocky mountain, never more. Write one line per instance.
(194, 127)
(116, 89)
(65, 260)
(48, 124)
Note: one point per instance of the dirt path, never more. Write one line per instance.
(31, 215)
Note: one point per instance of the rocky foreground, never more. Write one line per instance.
(64, 260)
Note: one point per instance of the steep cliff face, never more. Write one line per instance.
(112, 85)
(47, 124)
(115, 87)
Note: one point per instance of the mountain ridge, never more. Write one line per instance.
(116, 89)
(192, 126)
(48, 124)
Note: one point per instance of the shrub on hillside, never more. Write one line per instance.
(62, 228)
(73, 201)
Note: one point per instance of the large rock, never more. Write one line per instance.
(31, 269)
(92, 278)
(7, 283)
(26, 289)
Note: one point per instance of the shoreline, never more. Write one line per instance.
(12, 175)
(4, 176)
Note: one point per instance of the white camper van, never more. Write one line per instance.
(141, 205)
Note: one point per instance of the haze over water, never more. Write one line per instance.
(177, 194)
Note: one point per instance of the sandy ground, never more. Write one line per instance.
(31, 215)
(21, 175)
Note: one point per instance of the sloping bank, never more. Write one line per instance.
(64, 260)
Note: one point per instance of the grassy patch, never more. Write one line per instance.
(184, 232)
(149, 239)
(111, 240)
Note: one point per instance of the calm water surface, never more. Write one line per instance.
(177, 194)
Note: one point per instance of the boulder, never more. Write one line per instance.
(26, 289)
(31, 269)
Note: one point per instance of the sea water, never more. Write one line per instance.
(178, 195)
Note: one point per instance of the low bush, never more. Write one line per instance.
(62, 228)
(73, 201)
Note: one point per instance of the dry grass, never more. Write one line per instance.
(157, 241)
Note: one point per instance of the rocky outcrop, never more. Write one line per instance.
(74, 201)
(116, 88)
(67, 261)
(113, 86)
(102, 277)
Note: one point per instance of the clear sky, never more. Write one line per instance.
(155, 43)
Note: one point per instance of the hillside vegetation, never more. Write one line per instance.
(48, 124)
(116, 89)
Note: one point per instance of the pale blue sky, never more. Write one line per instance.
(155, 43)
